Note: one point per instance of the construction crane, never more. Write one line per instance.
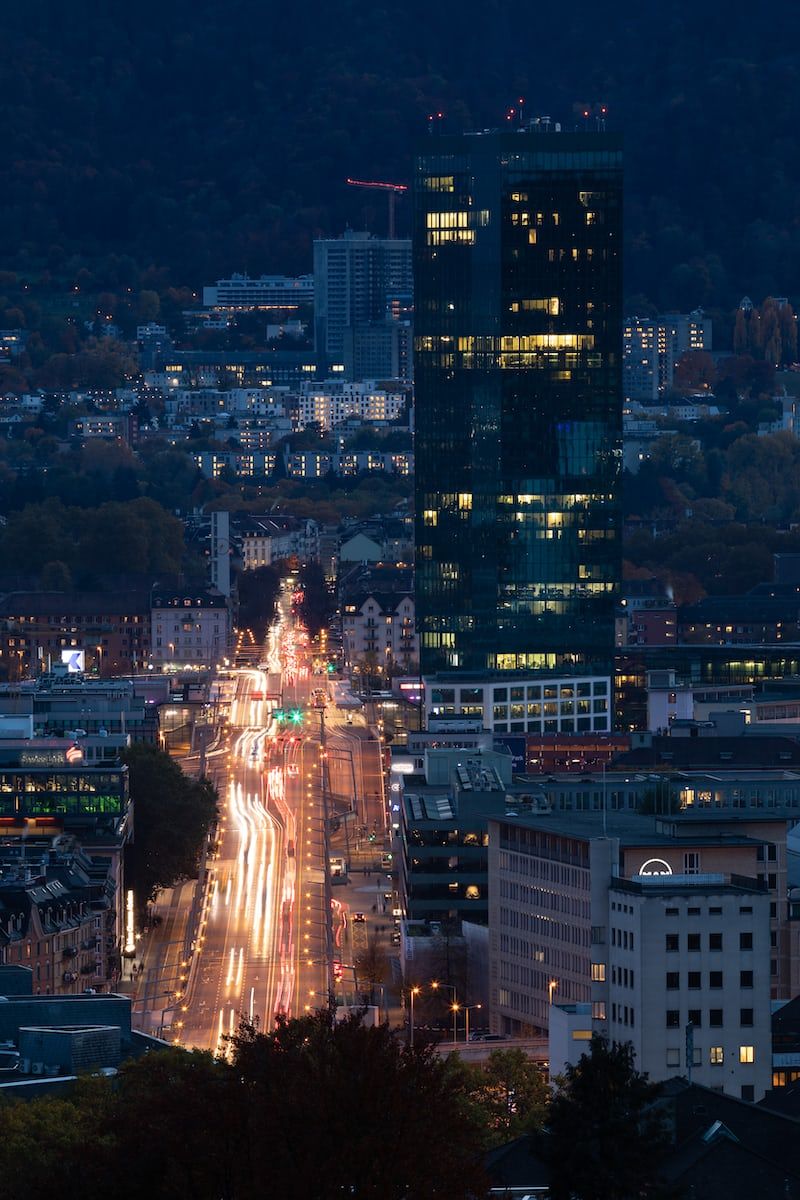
(392, 190)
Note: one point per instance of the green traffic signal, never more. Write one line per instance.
(296, 716)
(280, 715)
(331, 668)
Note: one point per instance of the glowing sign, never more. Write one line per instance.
(655, 866)
(74, 661)
(130, 929)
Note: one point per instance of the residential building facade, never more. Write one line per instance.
(189, 629)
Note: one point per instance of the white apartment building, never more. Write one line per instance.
(532, 705)
(651, 346)
(266, 291)
(316, 464)
(332, 404)
(382, 626)
(188, 629)
(243, 464)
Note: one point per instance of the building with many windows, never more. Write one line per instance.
(240, 292)
(553, 878)
(527, 704)
(189, 630)
(111, 630)
(680, 969)
(357, 279)
(518, 278)
(652, 347)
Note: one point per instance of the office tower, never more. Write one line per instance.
(357, 326)
(517, 270)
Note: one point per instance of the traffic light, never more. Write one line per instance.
(280, 715)
(330, 668)
(296, 716)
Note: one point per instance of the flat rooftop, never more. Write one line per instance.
(632, 829)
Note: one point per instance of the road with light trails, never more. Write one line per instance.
(264, 909)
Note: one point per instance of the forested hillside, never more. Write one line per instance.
(157, 145)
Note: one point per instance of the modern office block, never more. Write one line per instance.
(517, 264)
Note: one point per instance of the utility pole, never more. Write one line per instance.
(326, 866)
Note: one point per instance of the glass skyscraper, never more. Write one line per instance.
(517, 357)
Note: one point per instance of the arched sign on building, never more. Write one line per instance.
(655, 866)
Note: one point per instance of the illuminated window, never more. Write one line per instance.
(598, 972)
(747, 1054)
(439, 183)
(430, 516)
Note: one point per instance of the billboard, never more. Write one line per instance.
(74, 661)
(517, 746)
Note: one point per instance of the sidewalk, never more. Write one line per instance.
(156, 977)
(365, 893)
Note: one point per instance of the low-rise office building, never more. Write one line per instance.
(443, 833)
(523, 705)
(549, 880)
(49, 1041)
(680, 969)
(102, 713)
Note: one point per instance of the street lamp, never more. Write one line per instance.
(414, 992)
(552, 987)
(467, 1009)
(455, 1007)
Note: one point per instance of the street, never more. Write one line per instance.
(268, 936)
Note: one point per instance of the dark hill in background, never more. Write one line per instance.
(172, 143)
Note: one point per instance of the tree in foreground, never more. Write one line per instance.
(603, 1139)
(172, 814)
(335, 1108)
(316, 1109)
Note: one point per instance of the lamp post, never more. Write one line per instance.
(467, 1009)
(413, 992)
(551, 989)
(455, 1007)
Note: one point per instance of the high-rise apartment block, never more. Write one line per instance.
(359, 323)
(517, 265)
(651, 347)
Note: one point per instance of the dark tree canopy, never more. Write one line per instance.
(132, 160)
(603, 1139)
(317, 1108)
(171, 816)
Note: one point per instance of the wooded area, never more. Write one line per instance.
(110, 180)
